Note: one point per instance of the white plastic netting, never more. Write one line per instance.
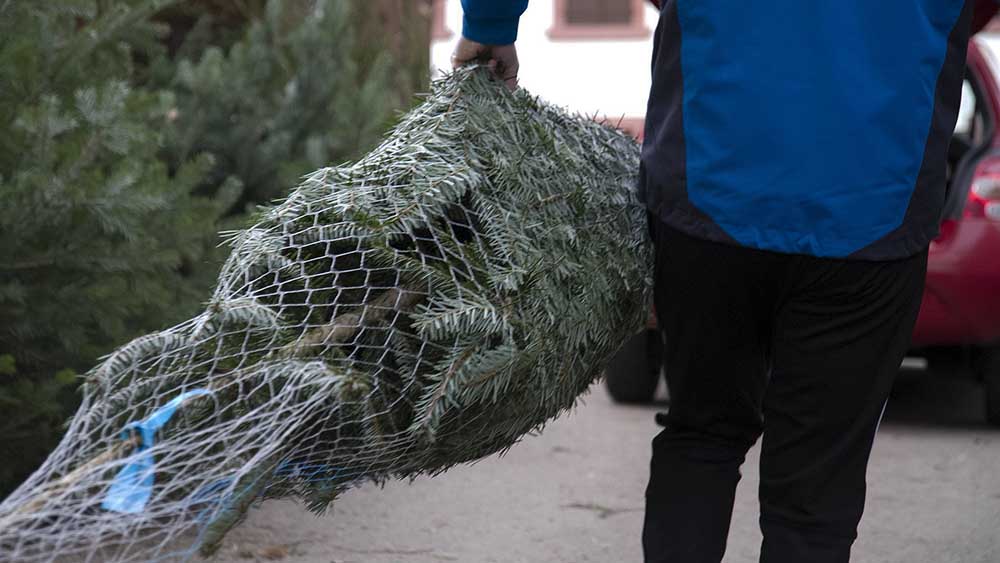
(429, 305)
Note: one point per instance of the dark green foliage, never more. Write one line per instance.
(34, 411)
(300, 90)
(128, 129)
(97, 237)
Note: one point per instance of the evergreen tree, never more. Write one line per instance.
(302, 89)
(403, 28)
(128, 129)
(97, 234)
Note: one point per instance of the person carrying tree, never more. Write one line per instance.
(793, 169)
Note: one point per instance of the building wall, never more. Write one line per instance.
(607, 76)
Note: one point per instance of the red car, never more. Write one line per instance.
(961, 304)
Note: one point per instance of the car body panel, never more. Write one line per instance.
(961, 304)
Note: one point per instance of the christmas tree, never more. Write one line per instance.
(130, 129)
(429, 305)
(96, 234)
(302, 88)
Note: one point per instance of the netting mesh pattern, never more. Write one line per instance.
(426, 306)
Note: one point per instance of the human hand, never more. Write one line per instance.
(501, 59)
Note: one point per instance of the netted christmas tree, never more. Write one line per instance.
(426, 306)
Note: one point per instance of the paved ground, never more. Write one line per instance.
(574, 494)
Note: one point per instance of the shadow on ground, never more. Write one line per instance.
(945, 397)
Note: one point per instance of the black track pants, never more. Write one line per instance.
(801, 349)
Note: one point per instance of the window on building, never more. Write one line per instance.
(599, 19)
(598, 12)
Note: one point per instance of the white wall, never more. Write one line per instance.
(604, 77)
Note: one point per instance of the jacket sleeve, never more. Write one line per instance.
(492, 22)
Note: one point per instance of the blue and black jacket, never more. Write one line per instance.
(815, 127)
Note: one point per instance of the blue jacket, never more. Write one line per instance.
(492, 22)
(815, 127)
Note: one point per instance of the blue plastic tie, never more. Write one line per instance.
(133, 486)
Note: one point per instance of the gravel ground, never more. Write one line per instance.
(574, 494)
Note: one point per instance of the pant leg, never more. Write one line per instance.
(715, 304)
(839, 339)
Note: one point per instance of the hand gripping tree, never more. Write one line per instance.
(426, 306)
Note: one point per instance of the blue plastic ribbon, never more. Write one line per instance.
(133, 486)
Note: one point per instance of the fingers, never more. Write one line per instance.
(500, 59)
(467, 52)
(456, 61)
(505, 71)
(507, 65)
(510, 81)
